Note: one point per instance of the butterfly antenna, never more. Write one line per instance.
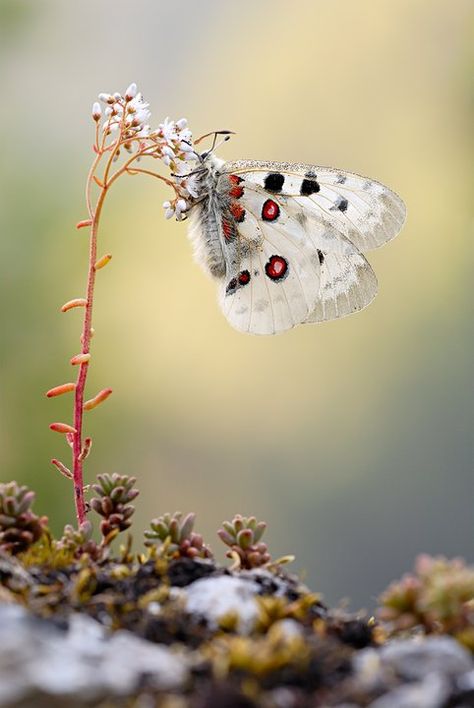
(215, 133)
(214, 146)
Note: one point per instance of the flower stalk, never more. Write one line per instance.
(121, 128)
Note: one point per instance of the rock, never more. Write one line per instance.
(432, 692)
(422, 672)
(213, 598)
(416, 658)
(40, 663)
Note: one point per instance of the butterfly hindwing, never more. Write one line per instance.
(348, 284)
(277, 283)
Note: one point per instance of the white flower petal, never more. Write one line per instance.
(106, 98)
(96, 111)
(131, 92)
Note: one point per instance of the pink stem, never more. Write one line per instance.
(77, 471)
(77, 445)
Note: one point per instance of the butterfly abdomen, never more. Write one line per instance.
(205, 236)
(205, 228)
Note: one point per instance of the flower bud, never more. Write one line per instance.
(96, 111)
(131, 92)
(181, 205)
(181, 123)
(106, 98)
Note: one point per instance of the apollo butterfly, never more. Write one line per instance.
(285, 240)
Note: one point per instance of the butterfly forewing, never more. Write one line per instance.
(365, 211)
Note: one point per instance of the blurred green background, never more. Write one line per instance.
(351, 439)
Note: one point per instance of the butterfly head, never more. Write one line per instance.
(205, 155)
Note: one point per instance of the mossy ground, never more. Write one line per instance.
(308, 659)
(123, 593)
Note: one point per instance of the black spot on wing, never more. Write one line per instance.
(308, 187)
(231, 287)
(343, 204)
(320, 256)
(340, 204)
(341, 179)
(274, 182)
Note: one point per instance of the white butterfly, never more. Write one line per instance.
(285, 240)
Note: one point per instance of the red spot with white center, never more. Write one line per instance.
(276, 267)
(270, 210)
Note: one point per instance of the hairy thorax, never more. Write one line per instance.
(211, 248)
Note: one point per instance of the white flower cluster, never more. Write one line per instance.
(180, 155)
(172, 142)
(129, 112)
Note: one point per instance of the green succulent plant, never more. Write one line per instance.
(243, 536)
(439, 596)
(176, 535)
(116, 492)
(77, 541)
(20, 527)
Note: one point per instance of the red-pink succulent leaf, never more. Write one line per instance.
(174, 530)
(187, 525)
(226, 537)
(229, 528)
(245, 538)
(259, 530)
(238, 523)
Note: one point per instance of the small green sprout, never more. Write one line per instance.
(243, 536)
(113, 503)
(19, 526)
(177, 537)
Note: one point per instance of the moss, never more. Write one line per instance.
(296, 643)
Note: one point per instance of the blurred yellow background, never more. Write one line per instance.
(363, 459)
